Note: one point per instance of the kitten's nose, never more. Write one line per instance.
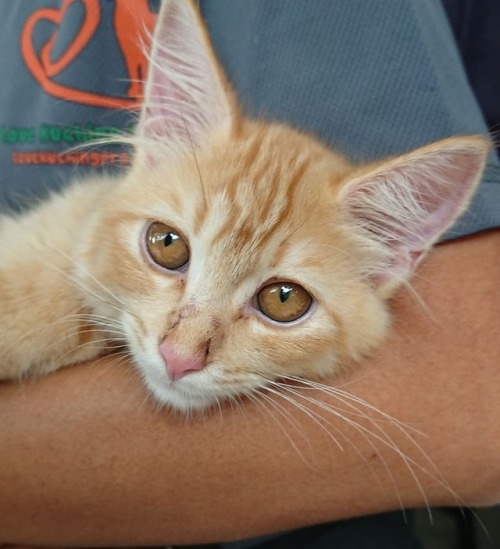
(178, 366)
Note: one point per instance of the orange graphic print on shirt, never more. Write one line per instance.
(133, 29)
(133, 24)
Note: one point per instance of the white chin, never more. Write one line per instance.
(179, 395)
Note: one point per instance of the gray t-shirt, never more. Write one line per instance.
(371, 78)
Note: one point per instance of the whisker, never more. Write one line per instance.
(285, 414)
(307, 412)
(79, 283)
(335, 391)
(358, 428)
(350, 400)
(89, 274)
(403, 428)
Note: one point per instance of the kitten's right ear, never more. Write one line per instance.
(186, 98)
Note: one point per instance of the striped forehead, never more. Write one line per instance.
(256, 205)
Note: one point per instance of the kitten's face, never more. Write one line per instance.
(254, 252)
(251, 211)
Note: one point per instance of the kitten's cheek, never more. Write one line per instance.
(152, 367)
(144, 353)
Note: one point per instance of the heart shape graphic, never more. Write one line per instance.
(85, 33)
(44, 68)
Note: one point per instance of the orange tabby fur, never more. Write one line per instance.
(256, 202)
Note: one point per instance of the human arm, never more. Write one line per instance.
(85, 460)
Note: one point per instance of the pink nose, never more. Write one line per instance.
(178, 366)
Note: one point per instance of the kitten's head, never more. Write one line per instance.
(243, 251)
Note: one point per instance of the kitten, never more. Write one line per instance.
(233, 252)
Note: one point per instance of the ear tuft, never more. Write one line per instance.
(403, 205)
(186, 96)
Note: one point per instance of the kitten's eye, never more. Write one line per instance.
(166, 246)
(283, 301)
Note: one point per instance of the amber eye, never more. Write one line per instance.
(283, 301)
(166, 246)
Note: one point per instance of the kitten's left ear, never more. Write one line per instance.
(403, 205)
(187, 97)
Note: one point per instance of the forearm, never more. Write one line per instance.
(86, 459)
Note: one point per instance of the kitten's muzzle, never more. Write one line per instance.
(187, 343)
(177, 364)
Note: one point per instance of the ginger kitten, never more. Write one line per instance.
(232, 253)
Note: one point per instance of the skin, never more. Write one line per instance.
(85, 460)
